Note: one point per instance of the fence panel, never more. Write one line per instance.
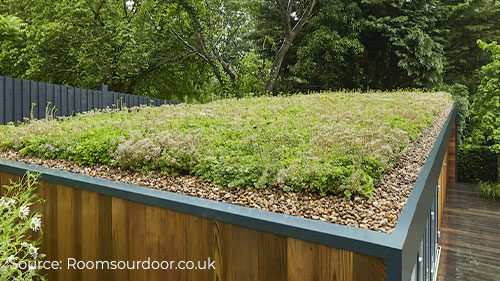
(64, 101)
(96, 99)
(9, 100)
(42, 100)
(71, 102)
(2, 100)
(84, 103)
(34, 99)
(58, 100)
(49, 92)
(20, 99)
(78, 100)
(26, 104)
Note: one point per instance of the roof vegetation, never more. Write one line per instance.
(329, 143)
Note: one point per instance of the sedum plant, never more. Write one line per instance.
(19, 228)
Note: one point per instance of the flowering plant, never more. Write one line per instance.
(19, 229)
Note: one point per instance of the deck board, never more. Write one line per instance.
(470, 236)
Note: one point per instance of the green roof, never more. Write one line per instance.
(329, 143)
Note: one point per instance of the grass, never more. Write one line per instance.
(329, 143)
(490, 190)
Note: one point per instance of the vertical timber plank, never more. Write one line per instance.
(367, 268)
(155, 241)
(35, 99)
(90, 100)
(174, 242)
(101, 99)
(42, 100)
(107, 98)
(336, 264)
(199, 249)
(71, 101)
(244, 255)
(272, 257)
(96, 100)
(78, 100)
(18, 100)
(126, 100)
(137, 237)
(9, 100)
(452, 155)
(2, 100)
(48, 191)
(115, 99)
(105, 245)
(120, 236)
(121, 98)
(64, 101)
(222, 250)
(84, 100)
(90, 235)
(49, 92)
(302, 260)
(26, 109)
(58, 100)
(66, 230)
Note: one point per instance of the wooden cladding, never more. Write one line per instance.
(448, 173)
(88, 226)
(452, 154)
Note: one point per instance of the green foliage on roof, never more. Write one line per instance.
(329, 143)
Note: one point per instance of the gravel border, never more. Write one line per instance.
(379, 213)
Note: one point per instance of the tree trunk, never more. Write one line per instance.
(278, 61)
(290, 36)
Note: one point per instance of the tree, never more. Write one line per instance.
(10, 26)
(295, 15)
(486, 103)
(465, 23)
(329, 54)
(86, 43)
(215, 32)
(403, 43)
(11, 35)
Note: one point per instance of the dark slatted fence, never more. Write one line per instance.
(20, 99)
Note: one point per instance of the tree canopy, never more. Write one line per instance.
(201, 50)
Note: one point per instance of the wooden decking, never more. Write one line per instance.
(470, 236)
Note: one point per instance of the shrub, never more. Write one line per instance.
(329, 143)
(490, 190)
(460, 94)
(476, 163)
(486, 102)
(19, 227)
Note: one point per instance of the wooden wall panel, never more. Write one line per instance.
(366, 268)
(66, 230)
(303, 260)
(452, 155)
(88, 227)
(336, 264)
(448, 173)
(272, 257)
(119, 228)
